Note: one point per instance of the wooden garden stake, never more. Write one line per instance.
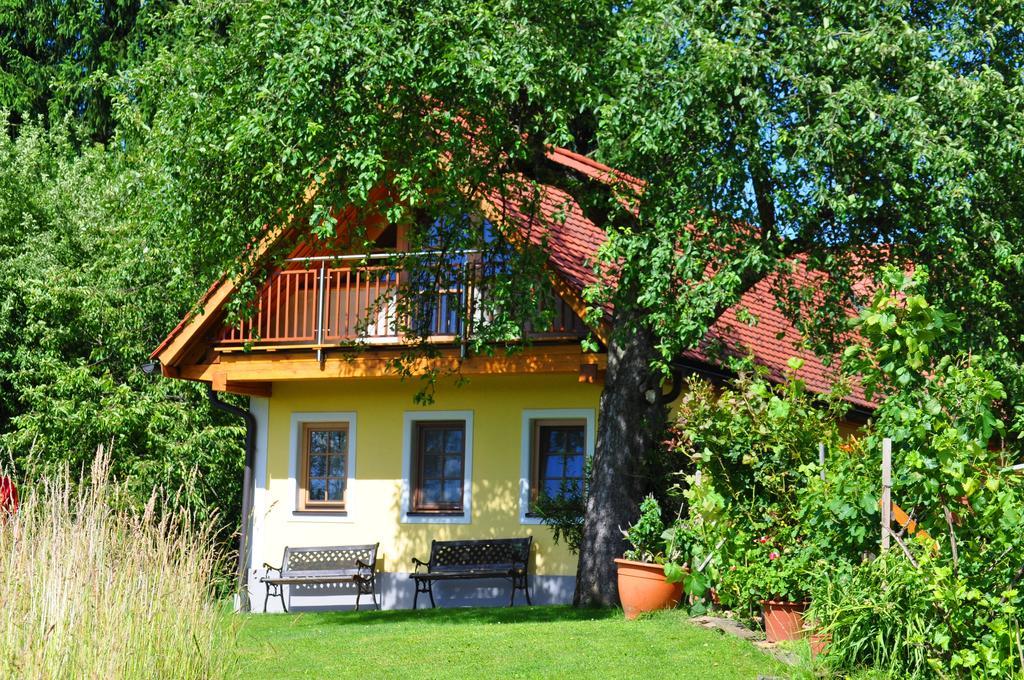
(952, 538)
(906, 550)
(886, 492)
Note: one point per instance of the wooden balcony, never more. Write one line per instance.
(331, 303)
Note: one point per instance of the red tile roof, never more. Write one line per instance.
(572, 241)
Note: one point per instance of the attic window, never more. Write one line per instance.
(388, 238)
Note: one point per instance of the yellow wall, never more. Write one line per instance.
(374, 497)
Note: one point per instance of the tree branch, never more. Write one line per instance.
(600, 200)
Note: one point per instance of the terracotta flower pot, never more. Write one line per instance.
(819, 643)
(783, 620)
(643, 588)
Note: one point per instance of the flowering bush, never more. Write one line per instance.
(774, 568)
(942, 604)
(950, 604)
(756, 447)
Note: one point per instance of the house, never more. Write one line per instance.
(343, 454)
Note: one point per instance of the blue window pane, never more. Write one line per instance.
(318, 442)
(553, 488)
(556, 440)
(574, 466)
(452, 491)
(431, 466)
(317, 489)
(317, 466)
(431, 493)
(553, 466)
(337, 466)
(432, 441)
(338, 442)
(335, 489)
(453, 466)
(573, 487)
(453, 441)
(574, 443)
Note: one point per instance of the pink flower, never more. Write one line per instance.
(762, 540)
(732, 568)
(773, 555)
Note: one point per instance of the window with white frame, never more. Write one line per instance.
(322, 463)
(437, 466)
(555, 446)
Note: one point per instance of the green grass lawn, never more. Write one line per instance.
(525, 642)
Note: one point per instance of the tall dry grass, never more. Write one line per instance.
(90, 588)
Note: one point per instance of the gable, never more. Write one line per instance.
(352, 294)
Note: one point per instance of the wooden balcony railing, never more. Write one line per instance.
(329, 305)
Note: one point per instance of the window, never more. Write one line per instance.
(554, 447)
(559, 448)
(437, 467)
(440, 457)
(324, 468)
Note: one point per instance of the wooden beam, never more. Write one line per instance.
(591, 374)
(250, 389)
(271, 367)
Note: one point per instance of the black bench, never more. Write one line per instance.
(321, 566)
(490, 558)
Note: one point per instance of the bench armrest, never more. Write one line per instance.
(270, 567)
(365, 566)
(420, 563)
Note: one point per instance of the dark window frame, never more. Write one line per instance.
(537, 479)
(417, 504)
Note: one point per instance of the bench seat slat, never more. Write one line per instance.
(298, 580)
(475, 573)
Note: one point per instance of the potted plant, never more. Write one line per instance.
(776, 573)
(649, 577)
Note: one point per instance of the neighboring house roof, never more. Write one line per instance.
(571, 242)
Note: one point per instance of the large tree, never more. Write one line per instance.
(62, 59)
(89, 283)
(848, 133)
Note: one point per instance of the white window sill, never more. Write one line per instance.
(320, 517)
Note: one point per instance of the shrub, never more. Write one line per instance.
(91, 589)
(943, 414)
(876, 618)
(756, 446)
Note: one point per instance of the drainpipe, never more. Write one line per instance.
(247, 492)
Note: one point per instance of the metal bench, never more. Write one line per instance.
(490, 558)
(322, 566)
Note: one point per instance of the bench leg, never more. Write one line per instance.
(520, 582)
(280, 591)
(266, 598)
(424, 586)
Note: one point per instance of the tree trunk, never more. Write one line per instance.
(629, 426)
